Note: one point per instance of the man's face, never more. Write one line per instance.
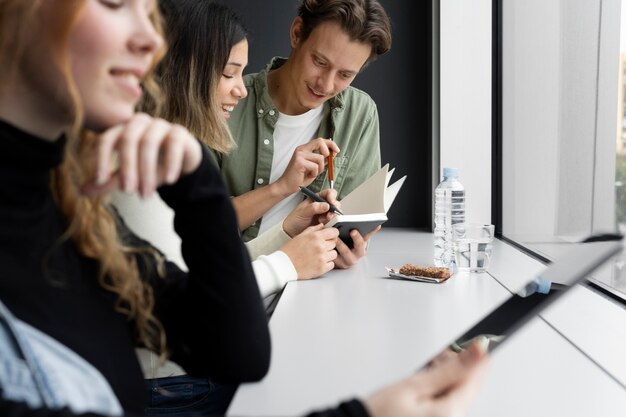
(322, 66)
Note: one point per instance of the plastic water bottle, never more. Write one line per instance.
(449, 210)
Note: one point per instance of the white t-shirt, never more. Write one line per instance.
(289, 133)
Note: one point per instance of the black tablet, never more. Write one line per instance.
(519, 308)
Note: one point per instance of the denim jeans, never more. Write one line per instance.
(187, 396)
(39, 371)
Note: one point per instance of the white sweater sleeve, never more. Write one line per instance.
(268, 242)
(273, 268)
(273, 272)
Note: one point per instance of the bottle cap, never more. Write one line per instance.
(450, 172)
(543, 285)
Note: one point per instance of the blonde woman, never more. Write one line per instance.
(71, 269)
(79, 290)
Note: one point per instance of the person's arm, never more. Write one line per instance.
(252, 205)
(214, 316)
(347, 257)
(308, 255)
(307, 213)
(273, 271)
(267, 242)
(445, 389)
(306, 163)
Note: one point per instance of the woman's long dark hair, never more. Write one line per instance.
(200, 35)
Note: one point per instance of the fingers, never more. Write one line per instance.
(443, 357)
(452, 372)
(330, 195)
(304, 215)
(306, 163)
(314, 209)
(444, 390)
(359, 243)
(323, 146)
(325, 233)
(367, 237)
(312, 252)
(171, 155)
(349, 257)
(192, 153)
(342, 248)
(456, 401)
(310, 160)
(332, 146)
(106, 142)
(146, 153)
(346, 257)
(302, 169)
(316, 152)
(93, 190)
(150, 152)
(313, 228)
(321, 210)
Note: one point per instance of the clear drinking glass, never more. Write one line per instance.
(472, 243)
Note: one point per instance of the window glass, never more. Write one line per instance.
(561, 179)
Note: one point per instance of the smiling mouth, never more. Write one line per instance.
(129, 80)
(129, 76)
(316, 94)
(226, 110)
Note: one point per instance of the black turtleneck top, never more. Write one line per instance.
(213, 315)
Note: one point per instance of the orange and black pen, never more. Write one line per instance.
(331, 170)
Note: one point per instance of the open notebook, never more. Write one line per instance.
(367, 205)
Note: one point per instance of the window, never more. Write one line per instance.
(560, 83)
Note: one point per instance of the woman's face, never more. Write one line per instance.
(231, 88)
(111, 48)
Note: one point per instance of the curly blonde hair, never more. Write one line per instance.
(92, 226)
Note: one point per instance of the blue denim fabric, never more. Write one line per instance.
(39, 371)
(16, 379)
(186, 396)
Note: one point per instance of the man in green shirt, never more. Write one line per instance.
(303, 97)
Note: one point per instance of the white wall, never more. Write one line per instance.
(465, 99)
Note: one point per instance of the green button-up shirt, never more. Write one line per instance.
(350, 119)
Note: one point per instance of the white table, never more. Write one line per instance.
(587, 319)
(353, 331)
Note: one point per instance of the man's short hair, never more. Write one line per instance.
(362, 20)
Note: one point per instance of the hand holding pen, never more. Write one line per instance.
(309, 213)
(307, 162)
(315, 197)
